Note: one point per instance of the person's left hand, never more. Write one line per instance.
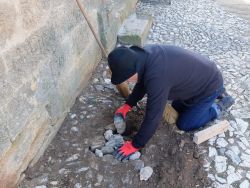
(123, 152)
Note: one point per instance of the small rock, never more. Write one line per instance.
(135, 156)
(74, 122)
(120, 124)
(235, 149)
(72, 116)
(41, 186)
(138, 164)
(235, 158)
(98, 153)
(221, 142)
(73, 157)
(212, 151)
(74, 129)
(107, 150)
(146, 173)
(108, 134)
(110, 159)
(244, 141)
(220, 164)
(244, 184)
(243, 125)
(233, 178)
(83, 169)
(78, 185)
(230, 170)
(248, 175)
(115, 141)
(107, 81)
(97, 144)
(99, 87)
(219, 179)
(53, 182)
(231, 140)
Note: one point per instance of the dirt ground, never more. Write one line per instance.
(68, 162)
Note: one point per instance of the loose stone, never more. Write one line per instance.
(220, 164)
(108, 134)
(146, 173)
(244, 184)
(98, 153)
(135, 156)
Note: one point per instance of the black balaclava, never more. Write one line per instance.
(122, 62)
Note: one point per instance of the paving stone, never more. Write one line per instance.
(233, 177)
(244, 184)
(234, 157)
(243, 125)
(134, 30)
(212, 151)
(230, 170)
(235, 149)
(219, 179)
(231, 140)
(221, 142)
(248, 175)
(220, 164)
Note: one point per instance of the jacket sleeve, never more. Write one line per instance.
(157, 98)
(136, 95)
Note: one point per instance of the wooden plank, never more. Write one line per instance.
(210, 132)
(170, 115)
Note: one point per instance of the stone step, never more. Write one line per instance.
(134, 30)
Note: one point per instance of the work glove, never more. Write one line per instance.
(123, 110)
(123, 152)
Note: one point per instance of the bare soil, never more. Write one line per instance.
(175, 159)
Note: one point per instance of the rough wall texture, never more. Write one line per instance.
(47, 54)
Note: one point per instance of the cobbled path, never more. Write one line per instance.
(203, 26)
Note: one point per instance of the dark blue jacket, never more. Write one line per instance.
(170, 73)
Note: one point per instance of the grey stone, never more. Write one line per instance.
(97, 144)
(220, 164)
(134, 31)
(135, 156)
(98, 153)
(41, 186)
(138, 164)
(78, 185)
(234, 157)
(221, 142)
(244, 184)
(115, 141)
(120, 124)
(107, 150)
(82, 169)
(108, 134)
(73, 157)
(233, 177)
(74, 129)
(146, 173)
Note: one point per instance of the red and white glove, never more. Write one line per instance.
(123, 152)
(123, 110)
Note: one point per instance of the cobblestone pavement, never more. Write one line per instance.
(203, 26)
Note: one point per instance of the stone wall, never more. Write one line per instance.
(47, 54)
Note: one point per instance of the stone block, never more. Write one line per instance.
(110, 18)
(4, 136)
(7, 21)
(134, 31)
(23, 149)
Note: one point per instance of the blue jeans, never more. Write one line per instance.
(194, 116)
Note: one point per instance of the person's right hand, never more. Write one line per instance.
(123, 110)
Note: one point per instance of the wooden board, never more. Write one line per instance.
(210, 132)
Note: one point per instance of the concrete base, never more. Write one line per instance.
(134, 31)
